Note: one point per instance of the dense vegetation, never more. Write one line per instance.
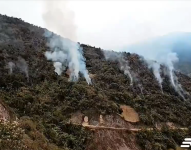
(44, 101)
(162, 140)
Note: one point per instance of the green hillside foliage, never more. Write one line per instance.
(45, 102)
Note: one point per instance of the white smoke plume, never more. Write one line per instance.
(10, 66)
(155, 66)
(126, 69)
(64, 52)
(58, 67)
(23, 66)
(169, 61)
(160, 50)
(124, 66)
(60, 19)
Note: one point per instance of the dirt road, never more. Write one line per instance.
(92, 127)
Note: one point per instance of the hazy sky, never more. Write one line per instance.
(111, 24)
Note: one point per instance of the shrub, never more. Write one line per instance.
(11, 136)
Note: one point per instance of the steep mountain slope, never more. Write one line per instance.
(45, 103)
(175, 42)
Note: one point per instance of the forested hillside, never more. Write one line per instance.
(44, 103)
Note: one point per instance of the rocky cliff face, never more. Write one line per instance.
(51, 110)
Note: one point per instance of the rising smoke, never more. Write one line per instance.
(64, 52)
(169, 61)
(155, 66)
(161, 50)
(58, 67)
(124, 65)
(10, 66)
(23, 66)
(20, 64)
